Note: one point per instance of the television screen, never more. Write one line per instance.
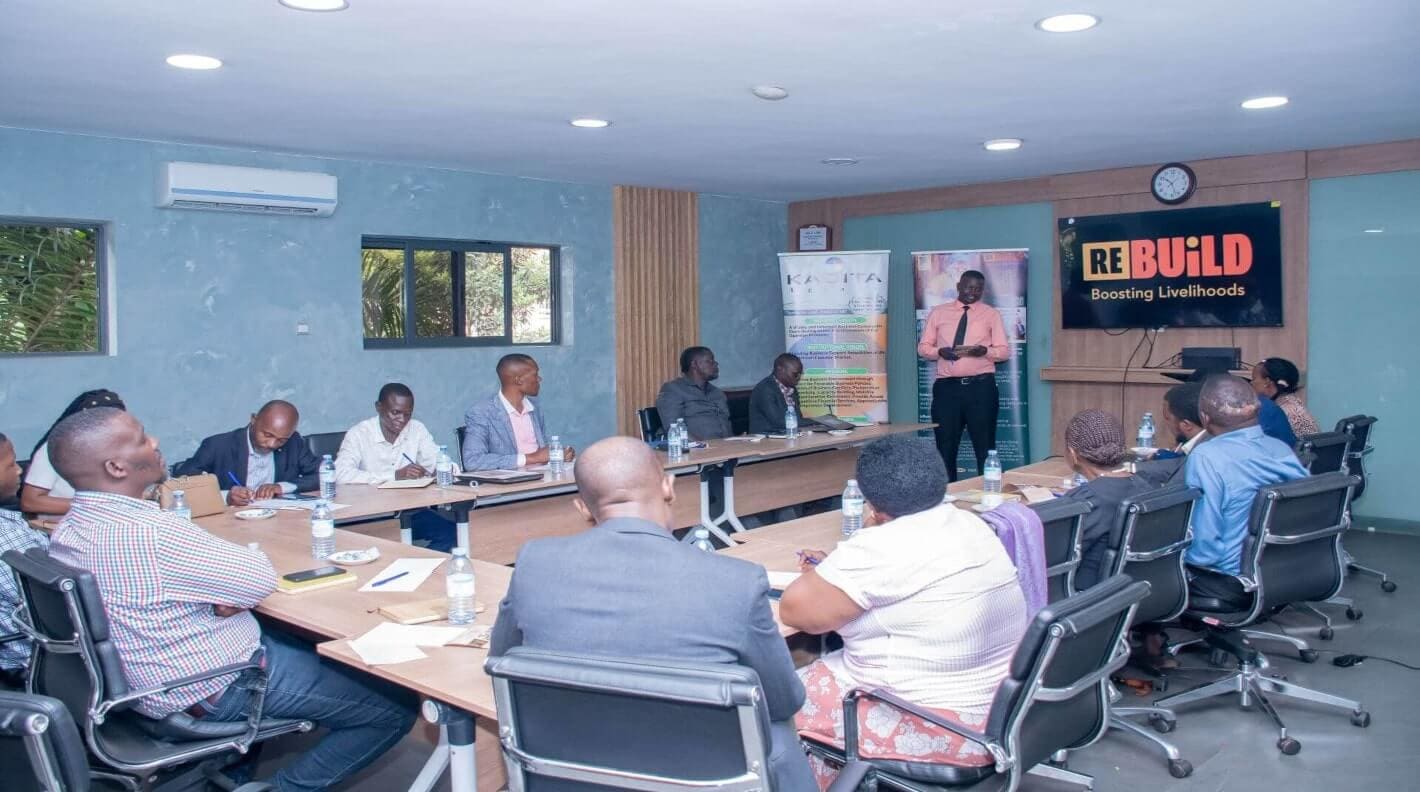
(1218, 266)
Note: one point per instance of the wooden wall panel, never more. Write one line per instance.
(656, 252)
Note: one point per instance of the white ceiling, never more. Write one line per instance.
(911, 87)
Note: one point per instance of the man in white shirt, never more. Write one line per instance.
(393, 445)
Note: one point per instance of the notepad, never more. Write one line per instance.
(781, 580)
(415, 572)
(414, 483)
(422, 611)
(293, 505)
(287, 587)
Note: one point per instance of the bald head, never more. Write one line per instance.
(1227, 403)
(273, 425)
(622, 477)
(106, 450)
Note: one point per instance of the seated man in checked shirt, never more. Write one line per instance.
(178, 601)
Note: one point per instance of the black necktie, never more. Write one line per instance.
(961, 328)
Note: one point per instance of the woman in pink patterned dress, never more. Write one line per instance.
(928, 606)
(1276, 378)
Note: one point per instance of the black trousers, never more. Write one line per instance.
(971, 402)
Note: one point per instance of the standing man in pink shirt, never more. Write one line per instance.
(967, 339)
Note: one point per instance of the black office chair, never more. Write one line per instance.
(1292, 553)
(76, 661)
(459, 432)
(1359, 428)
(570, 722)
(1324, 452)
(1148, 544)
(1061, 522)
(11, 679)
(1055, 697)
(649, 419)
(325, 443)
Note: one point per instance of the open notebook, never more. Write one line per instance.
(414, 483)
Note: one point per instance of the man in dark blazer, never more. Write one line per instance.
(770, 399)
(627, 588)
(264, 459)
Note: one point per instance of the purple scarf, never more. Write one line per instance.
(1023, 535)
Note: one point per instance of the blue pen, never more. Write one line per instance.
(388, 579)
(407, 459)
(810, 559)
(233, 477)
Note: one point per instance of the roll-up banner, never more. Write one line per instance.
(936, 273)
(835, 320)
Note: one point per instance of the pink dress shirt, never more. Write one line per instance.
(983, 328)
(523, 431)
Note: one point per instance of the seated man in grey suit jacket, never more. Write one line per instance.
(627, 588)
(506, 430)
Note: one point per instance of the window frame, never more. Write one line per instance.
(458, 248)
(101, 281)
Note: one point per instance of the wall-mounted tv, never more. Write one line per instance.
(1218, 266)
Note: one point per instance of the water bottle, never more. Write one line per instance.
(443, 469)
(322, 531)
(791, 423)
(327, 477)
(992, 480)
(684, 436)
(1146, 431)
(554, 456)
(852, 509)
(674, 449)
(179, 505)
(702, 540)
(458, 587)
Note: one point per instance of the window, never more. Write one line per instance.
(457, 293)
(51, 297)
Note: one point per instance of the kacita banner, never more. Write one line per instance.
(936, 274)
(835, 320)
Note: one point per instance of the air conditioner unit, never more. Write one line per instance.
(224, 188)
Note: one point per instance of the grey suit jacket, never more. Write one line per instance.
(488, 442)
(627, 588)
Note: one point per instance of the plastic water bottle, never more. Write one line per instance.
(554, 456)
(327, 477)
(1146, 431)
(702, 540)
(458, 587)
(674, 448)
(992, 479)
(322, 531)
(179, 505)
(684, 436)
(443, 469)
(852, 508)
(791, 423)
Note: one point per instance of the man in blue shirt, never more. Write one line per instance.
(1229, 469)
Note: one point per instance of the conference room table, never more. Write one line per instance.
(458, 694)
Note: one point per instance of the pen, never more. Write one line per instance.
(810, 559)
(410, 461)
(233, 477)
(388, 579)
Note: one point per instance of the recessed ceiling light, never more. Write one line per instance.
(589, 123)
(316, 5)
(1068, 23)
(198, 62)
(1264, 102)
(772, 93)
(839, 161)
(1002, 144)
(1374, 231)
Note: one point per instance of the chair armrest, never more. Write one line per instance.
(850, 777)
(12, 637)
(998, 752)
(235, 668)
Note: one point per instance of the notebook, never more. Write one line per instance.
(502, 476)
(414, 483)
(287, 587)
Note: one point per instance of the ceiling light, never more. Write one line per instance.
(315, 5)
(589, 123)
(1264, 102)
(840, 161)
(1068, 23)
(1374, 231)
(1002, 144)
(198, 62)
(772, 93)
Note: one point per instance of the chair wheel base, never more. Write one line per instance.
(1387, 586)
(1361, 719)
(1354, 614)
(1308, 655)
(1164, 725)
(1326, 634)
(1289, 746)
(1180, 768)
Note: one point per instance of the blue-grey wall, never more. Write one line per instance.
(1017, 226)
(741, 311)
(1364, 324)
(206, 304)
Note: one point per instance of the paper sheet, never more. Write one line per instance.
(292, 505)
(419, 570)
(391, 633)
(781, 580)
(386, 654)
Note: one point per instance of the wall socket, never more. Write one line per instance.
(302, 328)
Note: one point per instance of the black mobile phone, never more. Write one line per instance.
(307, 575)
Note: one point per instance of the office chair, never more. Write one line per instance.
(1359, 428)
(1061, 522)
(11, 679)
(1148, 544)
(38, 732)
(1055, 697)
(76, 661)
(649, 420)
(570, 722)
(325, 443)
(1324, 452)
(1292, 553)
(459, 432)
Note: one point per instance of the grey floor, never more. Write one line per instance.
(1231, 749)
